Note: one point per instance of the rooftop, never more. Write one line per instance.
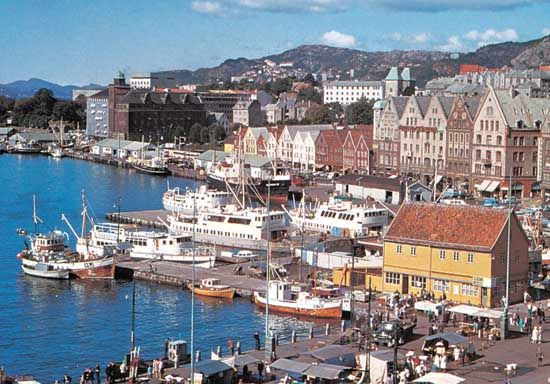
(374, 182)
(465, 226)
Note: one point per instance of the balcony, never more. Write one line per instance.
(486, 162)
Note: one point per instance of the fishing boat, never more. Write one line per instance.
(155, 166)
(212, 288)
(148, 245)
(174, 200)
(283, 300)
(48, 256)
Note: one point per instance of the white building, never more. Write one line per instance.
(303, 155)
(347, 92)
(123, 148)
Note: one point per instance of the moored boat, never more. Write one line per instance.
(304, 304)
(212, 288)
(154, 166)
(174, 200)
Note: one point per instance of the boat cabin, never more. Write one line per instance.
(280, 290)
(210, 283)
(51, 242)
(178, 349)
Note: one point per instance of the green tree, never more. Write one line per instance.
(310, 79)
(195, 133)
(217, 131)
(319, 114)
(43, 102)
(359, 112)
(205, 135)
(310, 94)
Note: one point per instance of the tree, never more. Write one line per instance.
(360, 112)
(310, 94)
(195, 133)
(43, 102)
(217, 131)
(309, 79)
(205, 135)
(319, 114)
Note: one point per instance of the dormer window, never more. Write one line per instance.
(520, 124)
(538, 124)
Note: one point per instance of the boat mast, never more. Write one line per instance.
(84, 213)
(267, 274)
(37, 220)
(192, 370)
(133, 319)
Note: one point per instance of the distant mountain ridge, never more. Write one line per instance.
(21, 89)
(425, 65)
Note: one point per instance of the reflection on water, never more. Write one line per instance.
(49, 328)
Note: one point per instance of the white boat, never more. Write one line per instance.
(45, 271)
(241, 255)
(282, 299)
(232, 226)
(203, 198)
(57, 153)
(340, 218)
(163, 246)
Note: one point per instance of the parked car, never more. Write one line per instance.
(491, 202)
(385, 334)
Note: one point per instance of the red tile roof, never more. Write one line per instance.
(465, 227)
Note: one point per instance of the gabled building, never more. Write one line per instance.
(248, 113)
(459, 251)
(329, 149)
(288, 135)
(357, 151)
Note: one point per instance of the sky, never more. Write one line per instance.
(89, 41)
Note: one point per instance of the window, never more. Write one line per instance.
(499, 140)
(456, 256)
(442, 285)
(498, 156)
(398, 249)
(413, 251)
(478, 139)
(469, 290)
(470, 257)
(442, 254)
(393, 278)
(418, 282)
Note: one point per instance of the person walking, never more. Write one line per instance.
(534, 335)
(257, 340)
(231, 346)
(539, 335)
(97, 372)
(261, 371)
(540, 357)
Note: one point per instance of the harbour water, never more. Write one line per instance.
(48, 328)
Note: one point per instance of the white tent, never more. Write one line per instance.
(470, 310)
(439, 378)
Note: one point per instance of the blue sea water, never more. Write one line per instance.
(49, 328)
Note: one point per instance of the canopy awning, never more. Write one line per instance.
(438, 179)
(325, 371)
(450, 337)
(439, 378)
(242, 360)
(291, 366)
(492, 187)
(490, 313)
(465, 309)
(426, 305)
(483, 186)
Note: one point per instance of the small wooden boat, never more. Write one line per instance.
(213, 288)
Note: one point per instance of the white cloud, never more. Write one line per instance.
(211, 7)
(414, 39)
(546, 31)
(338, 39)
(453, 44)
(491, 36)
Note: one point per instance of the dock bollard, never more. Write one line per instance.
(327, 329)
(343, 326)
(311, 333)
(238, 347)
(293, 337)
(219, 351)
(197, 356)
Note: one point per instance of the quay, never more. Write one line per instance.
(151, 218)
(180, 275)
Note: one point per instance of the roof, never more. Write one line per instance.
(447, 104)
(259, 131)
(6, 130)
(209, 367)
(452, 338)
(137, 96)
(472, 104)
(122, 144)
(399, 102)
(352, 83)
(406, 74)
(423, 103)
(291, 366)
(379, 104)
(211, 154)
(374, 182)
(393, 74)
(36, 136)
(464, 88)
(332, 351)
(104, 93)
(464, 226)
(325, 371)
(521, 107)
(294, 129)
(256, 161)
(243, 104)
(242, 360)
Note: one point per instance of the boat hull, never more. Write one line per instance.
(182, 259)
(89, 269)
(151, 171)
(53, 275)
(330, 312)
(224, 293)
(278, 190)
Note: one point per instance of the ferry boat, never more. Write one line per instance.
(232, 226)
(340, 218)
(154, 166)
(213, 288)
(163, 246)
(230, 176)
(203, 198)
(282, 299)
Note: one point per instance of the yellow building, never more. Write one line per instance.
(457, 250)
(361, 275)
